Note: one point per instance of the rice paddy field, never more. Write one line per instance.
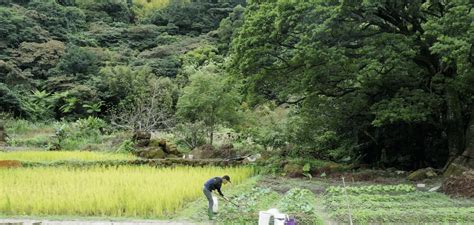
(123, 191)
(147, 192)
(381, 204)
(46, 156)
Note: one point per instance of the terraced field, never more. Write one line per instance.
(396, 204)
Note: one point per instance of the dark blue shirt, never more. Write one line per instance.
(214, 184)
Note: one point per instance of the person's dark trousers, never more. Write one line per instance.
(208, 195)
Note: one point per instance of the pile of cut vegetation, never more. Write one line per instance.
(461, 185)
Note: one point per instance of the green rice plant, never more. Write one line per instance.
(41, 156)
(122, 191)
(392, 189)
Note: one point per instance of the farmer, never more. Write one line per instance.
(211, 185)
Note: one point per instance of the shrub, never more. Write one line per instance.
(126, 146)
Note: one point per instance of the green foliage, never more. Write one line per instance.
(361, 71)
(387, 189)
(93, 58)
(57, 141)
(124, 85)
(296, 202)
(209, 98)
(9, 100)
(394, 203)
(126, 146)
(338, 80)
(144, 7)
(268, 125)
(229, 26)
(190, 17)
(22, 126)
(251, 202)
(416, 106)
(93, 108)
(300, 203)
(90, 126)
(307, 170)
(17, 27)
(79, 62)
(106, 10)
(166, 66)
(201, 56)
(190, 134)
(39, 105)
(24, 133)
(142, 36)
(39, 58)
(58, 20)
(103, 34)
(79, 134)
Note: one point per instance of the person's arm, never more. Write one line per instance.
(219, 189)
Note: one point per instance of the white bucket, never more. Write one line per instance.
(215, 207)
(280, 218)
(264, 218)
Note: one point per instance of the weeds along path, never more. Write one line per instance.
(322, 213)
(89, 222)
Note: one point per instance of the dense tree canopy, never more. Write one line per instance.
(387, 82)
(390, 80)
(209, 98)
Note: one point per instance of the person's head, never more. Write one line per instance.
(226, 179)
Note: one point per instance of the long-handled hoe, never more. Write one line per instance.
(233, 203)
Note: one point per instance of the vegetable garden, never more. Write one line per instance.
(396, 203)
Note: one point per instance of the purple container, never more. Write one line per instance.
(290, 222)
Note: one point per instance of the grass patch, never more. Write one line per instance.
(82, 134)
(25, 127)
(124, 191)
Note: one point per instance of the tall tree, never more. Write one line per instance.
(395, 75)
(209, 98)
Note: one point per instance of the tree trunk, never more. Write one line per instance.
(211, 135)
(464, 161)
(3, 134)
(467, 157)
(455, 126)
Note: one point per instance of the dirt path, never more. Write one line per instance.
(84, 222)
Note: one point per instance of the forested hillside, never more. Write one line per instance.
(385, 83)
